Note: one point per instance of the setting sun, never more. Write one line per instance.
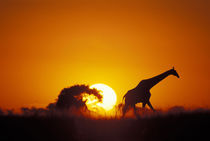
(108, 101)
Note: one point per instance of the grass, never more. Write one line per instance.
(168, 127)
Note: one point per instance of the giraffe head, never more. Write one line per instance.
(174, 72)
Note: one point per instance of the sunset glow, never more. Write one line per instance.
(91, 70)
(48, 45)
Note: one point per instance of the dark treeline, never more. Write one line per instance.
(69, 99)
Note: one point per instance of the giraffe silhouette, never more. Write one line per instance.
(141, 93)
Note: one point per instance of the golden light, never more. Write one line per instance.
(108, 101)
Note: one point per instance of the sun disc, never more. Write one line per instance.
(109, 96)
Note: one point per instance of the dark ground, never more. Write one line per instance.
(185, 126)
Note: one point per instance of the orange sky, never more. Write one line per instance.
(46, 45)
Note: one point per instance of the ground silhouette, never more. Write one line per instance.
(187, 125)
(141, 93)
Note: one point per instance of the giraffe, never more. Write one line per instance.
(141, 93)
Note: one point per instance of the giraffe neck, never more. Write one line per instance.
(155, 80)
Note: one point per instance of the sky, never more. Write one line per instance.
(46, 45)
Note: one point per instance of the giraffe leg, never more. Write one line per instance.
(135, 112)
(125, 108)
(150, 105)
(143, 105)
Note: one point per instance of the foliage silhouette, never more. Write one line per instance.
(72, 96)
